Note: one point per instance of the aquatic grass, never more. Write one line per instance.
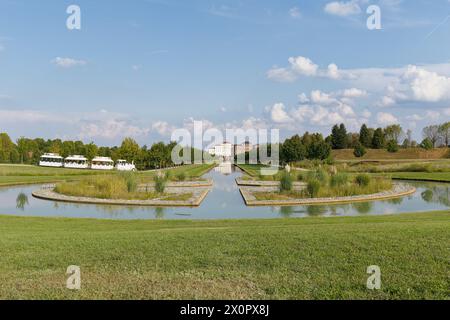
(121, 187)
(363, 180)
(160, 184)
(286, 182)
(340, 179)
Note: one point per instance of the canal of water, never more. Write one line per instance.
(223, 202)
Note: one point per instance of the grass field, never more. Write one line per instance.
(25, 174)
(422, 176)
(312, 258)
(402, 154)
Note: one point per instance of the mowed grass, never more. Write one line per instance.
(311, 258)
(422, 176)
(26, 174)
(402, 154)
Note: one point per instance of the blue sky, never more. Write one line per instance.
(141, 68)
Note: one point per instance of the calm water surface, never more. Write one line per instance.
(223, 202)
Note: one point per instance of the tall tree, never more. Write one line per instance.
(444, 132)
(365, 137)
(293, 150)
(393, 133)
(432, 133)
(129, 150)
(339, 137)
(378, 139)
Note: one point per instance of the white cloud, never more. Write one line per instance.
(30, 117)
(295, 12)
(281, 75)
(446, 111)
(303, 66)
(319, 97)
(302, 98)
(432, 115)
(426, 85)
(163, 128)
(111, 129)
(354, 93)
(278, 114)
(68, 62)
(333, 71)
(342, 8)
(385, 119)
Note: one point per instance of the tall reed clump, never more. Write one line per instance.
(340, 179)
(103, 187)
(322, 185)
(313, 187)
(160, 183)
(131, 181)
(362, 180)
(285, 182)
(320, 175)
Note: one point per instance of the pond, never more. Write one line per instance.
(223, 202)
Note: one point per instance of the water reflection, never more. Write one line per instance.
(436, 194)
(159, 213)
(363, 207)
(223, 202)
(21, 201)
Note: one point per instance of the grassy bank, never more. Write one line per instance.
(402, 154)
(313, 258)
(25, 174)
(422, 176)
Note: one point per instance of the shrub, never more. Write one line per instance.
(392, 146)
(339, 179)
(359, 151)
(181, 176)
(319, 174)
(285, 182)
(427, 144)
(167, 175)
(313, 188)
(363, 180)
(160, 184)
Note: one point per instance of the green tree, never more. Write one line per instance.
(392, 146)
(293, 150)
(365, 137)
(444, 132)
(129, 150)
(8, 151)
(359, 151)
(378, 141)
(427, 144)
(394, 133)
(319, 150)
(339, 137)
(91, 151)
(432, 133)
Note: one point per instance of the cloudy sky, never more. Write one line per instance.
(141, 68)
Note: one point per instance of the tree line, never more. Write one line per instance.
(391, 138)
(297, 148)
(29, 151)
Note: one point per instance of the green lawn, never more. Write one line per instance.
(423, 176)
(25, 174)
(311, 258)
